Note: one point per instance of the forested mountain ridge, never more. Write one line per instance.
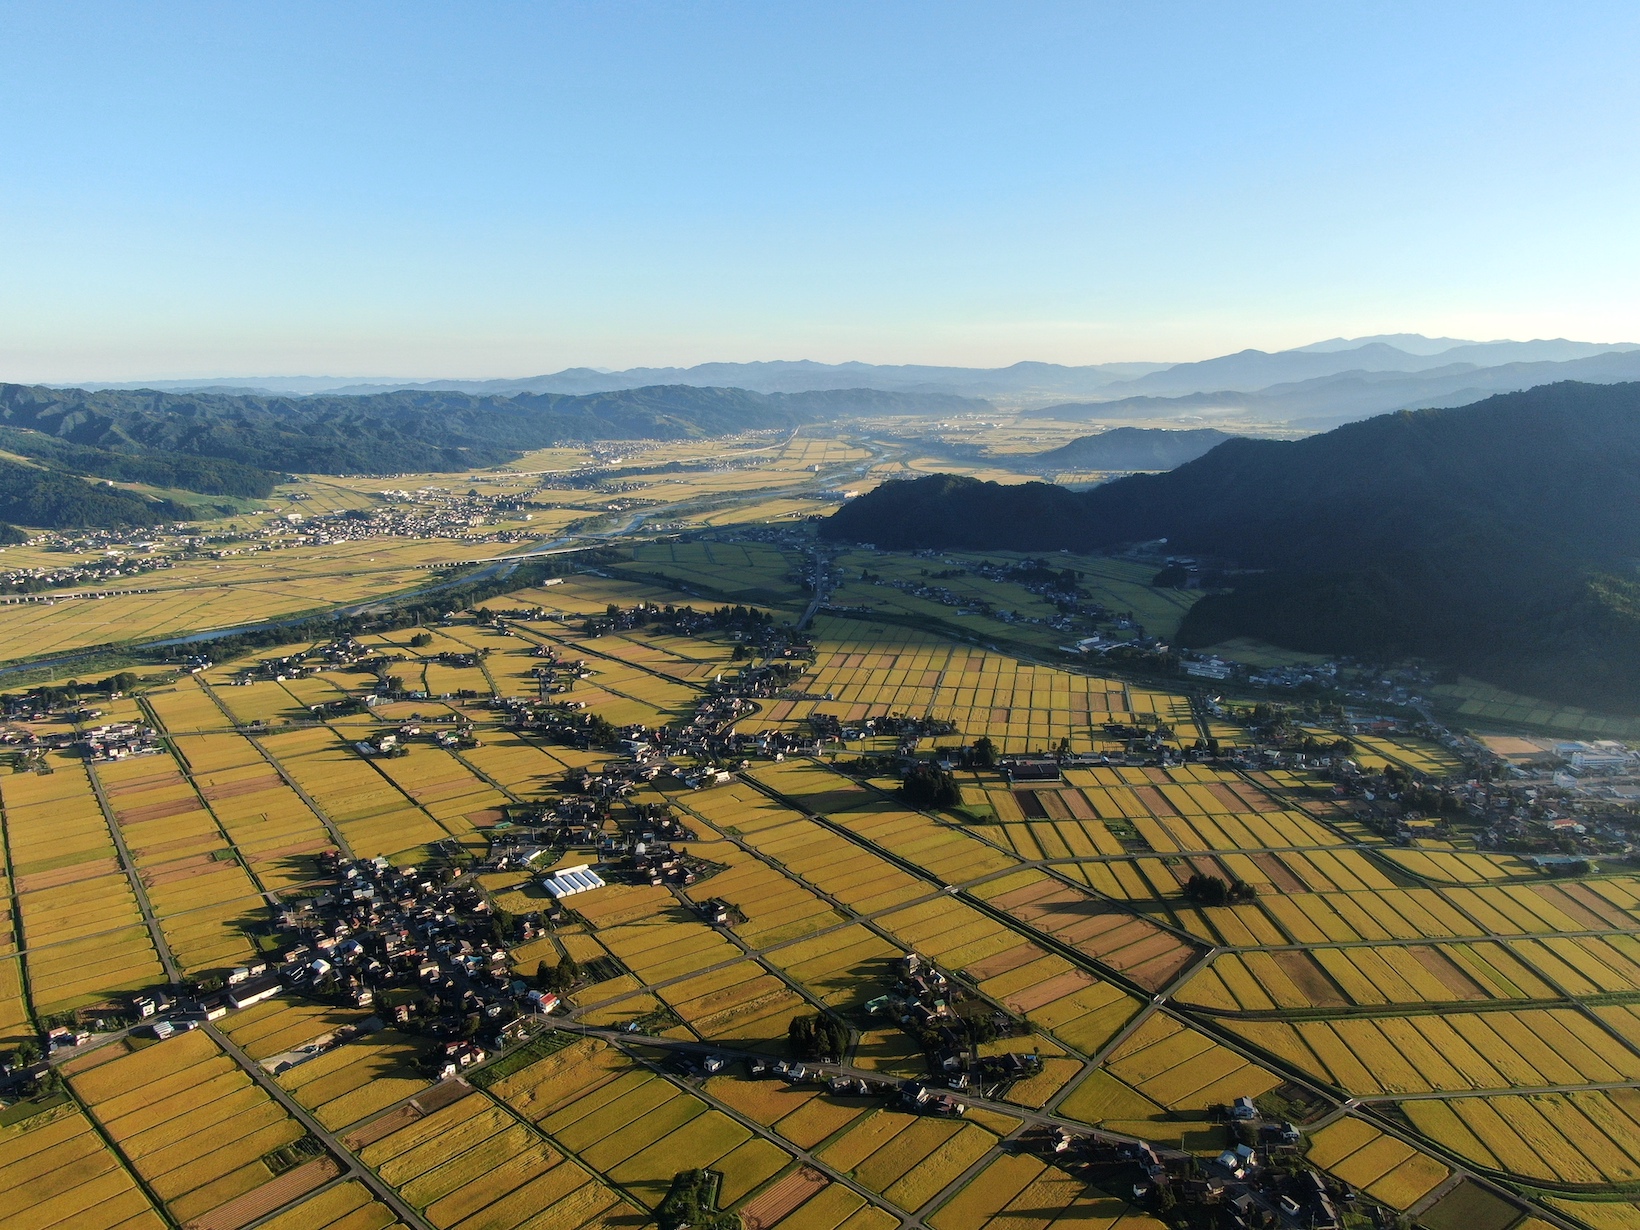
(410, 431)
(1499, 537)
(51, 500)
(1125, 448)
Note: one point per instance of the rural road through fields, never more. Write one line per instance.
(351, 1165)
(828, 1070)
(173, 973)
(1045, 1118)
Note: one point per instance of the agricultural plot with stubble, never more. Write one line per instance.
(634, 1126)
(79, 914)
(189, 1120)
(475, 1162)
(358, 1078)
(55, 1170)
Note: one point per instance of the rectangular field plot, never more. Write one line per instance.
(55, 1170)
(278, 1025)
(1102, 931)
(1587, 1138)
(267, 821)
(347, 1206)
(445, 788)
(1171, 1067)
(1077, 1008)
(473, 1162)
(740, 1005)
(186, 707)
(777, 907)
(632, 1125)
(907, 1159)
(1020, 1190)
(357, 1078)
(374, 815)
(1366, 976)
(192, 1122)
(1454, 867)
(1385, 1168)
(1454, 1051)
(859, 878)
(194, 882)
(80, 917)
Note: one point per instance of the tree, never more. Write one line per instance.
(1207, 890)
(984, 753)
(502, 926)
(1212, 890)
(928, 785)
(544, 974)
(565, 974)
(820, 1036)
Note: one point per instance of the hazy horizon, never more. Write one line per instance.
(371, 378)
(198, 192)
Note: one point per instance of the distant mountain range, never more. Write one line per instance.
(1499, 538)
(1121, 448)
(1318, 386)
(240, 445)
(1325, 401)
(799, 376)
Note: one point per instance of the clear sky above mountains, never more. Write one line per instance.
(507, 189)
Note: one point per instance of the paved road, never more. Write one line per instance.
(828, 1070)
(250, 734)
(819, 592)
(173, 972)
(352, 1165)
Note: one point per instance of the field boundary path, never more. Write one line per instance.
(353, 1167)
(149, 918)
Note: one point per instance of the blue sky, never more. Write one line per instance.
(504, 189)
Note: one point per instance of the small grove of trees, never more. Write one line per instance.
(983, 754)
(927, 785)
(689, 1204)
(1213, 890)
(817, 1037)
(558, 978)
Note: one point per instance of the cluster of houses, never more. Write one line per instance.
(427, 512)
(416, 947)
(119, 740)
(1240, 1189)
(925, 1002)
(553, 676)
(114, 565)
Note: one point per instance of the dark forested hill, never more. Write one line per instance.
(60, 501)
(1127, 448)
(404, 431)
(1500, 537)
